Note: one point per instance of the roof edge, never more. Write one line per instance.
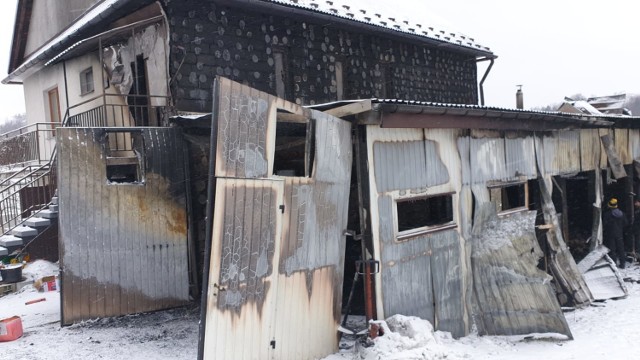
(20, 33)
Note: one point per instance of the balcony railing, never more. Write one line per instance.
(31, 144)
(111, 110)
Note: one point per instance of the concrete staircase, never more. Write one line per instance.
(29, 229)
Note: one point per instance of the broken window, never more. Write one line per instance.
(124, 163)
(86, 81)
(417, 216)
(295, 145)
(509, 198)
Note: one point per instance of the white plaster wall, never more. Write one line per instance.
(50, 17)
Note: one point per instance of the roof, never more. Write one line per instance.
(344, 9)
(92, 21)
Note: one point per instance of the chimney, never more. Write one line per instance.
(519, 98)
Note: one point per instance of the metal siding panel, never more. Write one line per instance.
(514, 296)
(621, 137)
(562, 152)
(520, 157)
(488, 159)
(447, 282)
(589, 149)
(111, 271)
(634, 143)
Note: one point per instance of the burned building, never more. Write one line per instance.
(256, 149)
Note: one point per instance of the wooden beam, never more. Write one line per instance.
(292, 118)
(350, 109)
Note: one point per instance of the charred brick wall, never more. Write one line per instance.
(208, 39)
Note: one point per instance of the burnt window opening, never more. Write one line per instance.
(281, 73)
(125, 151)
(294, 153)
(421, 215)
(509, 198)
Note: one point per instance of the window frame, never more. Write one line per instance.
(500, 186)
(84, 84)
(310, 142)
(405, 235)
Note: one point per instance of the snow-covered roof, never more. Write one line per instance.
(344, 9)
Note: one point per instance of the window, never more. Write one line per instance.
(281, 73)
(86, 81)
(295, 146)
(418, 216)
(339, 81)
(509, 198)
(125, 151)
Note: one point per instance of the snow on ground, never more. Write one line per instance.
(170, 334)
(603, 331)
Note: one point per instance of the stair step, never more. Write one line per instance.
(54, 200)
(37, 222)
(48, 214)
(53, 207)
(24, 231)
(3, 251)
(10, 241)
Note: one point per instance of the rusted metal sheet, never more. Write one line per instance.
(562, 152)
(123, 246)
(513, 295)
(615, 163)
(287, 303)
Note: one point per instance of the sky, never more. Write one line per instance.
(553, 48)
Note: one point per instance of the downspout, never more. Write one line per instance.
(484, 77)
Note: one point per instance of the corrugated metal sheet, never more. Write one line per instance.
(288, 307)
(123, 246)
(562, 152)
(590, 149)
(520, 156)
(634, 143)
(621, 139)
(421, 276)
(488, 160)
(408, 165)
(514, 296)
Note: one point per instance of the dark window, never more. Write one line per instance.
(509, 197)
(416, 216)
(295, 147)
(124, 157)
(86, 81)
(281, 72)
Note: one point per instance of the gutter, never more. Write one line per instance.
(63, 40)
(484, 77)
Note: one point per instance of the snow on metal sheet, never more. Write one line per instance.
(123, 246)
(605, 281)
(381, 17)
(562, 152)
(513, 295)
(488, 159)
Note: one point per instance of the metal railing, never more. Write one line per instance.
(22, 197)
(28, 145)
(112, 110)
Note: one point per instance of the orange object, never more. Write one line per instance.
(10, 329)
(35, 301)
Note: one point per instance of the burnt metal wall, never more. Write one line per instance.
(209, 39)
(123, 246)
(277, 253)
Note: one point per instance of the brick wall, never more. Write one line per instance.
(209, 40)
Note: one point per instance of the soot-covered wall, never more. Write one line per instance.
(208, 39)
